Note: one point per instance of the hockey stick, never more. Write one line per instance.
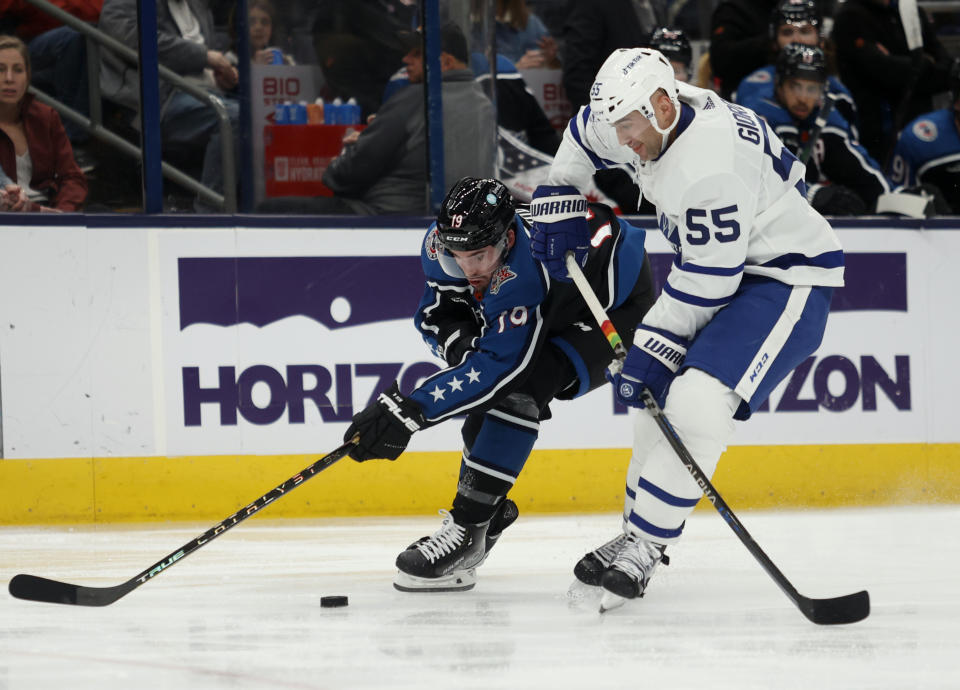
(818, 123)
(36, 588)
(846, 609)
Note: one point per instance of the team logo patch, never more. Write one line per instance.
(627, 390)
(925, 130)
(432, 244)
(760, 77)
(501, 276)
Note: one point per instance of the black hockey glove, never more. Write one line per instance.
(837, 200)
(385, 426)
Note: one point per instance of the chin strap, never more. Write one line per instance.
(665, 132)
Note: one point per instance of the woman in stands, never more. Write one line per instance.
(39, 171)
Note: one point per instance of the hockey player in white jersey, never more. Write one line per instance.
(746, 299)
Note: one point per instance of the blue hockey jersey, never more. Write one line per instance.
(928, 151)
(499, 333)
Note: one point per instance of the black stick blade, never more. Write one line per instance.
(35, 588)
(839, 611)
(41, 589)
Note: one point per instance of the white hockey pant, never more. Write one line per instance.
(660, 493)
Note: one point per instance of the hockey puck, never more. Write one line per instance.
(332, 602)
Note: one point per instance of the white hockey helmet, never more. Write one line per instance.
(626, 82)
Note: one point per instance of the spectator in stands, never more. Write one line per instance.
(358, 47)
(890, 86)
(39, 171)
(842, 178)
(928, 149)
(739, 40)
(184, 33)
(592, 31)
(262, 25)
(522, 37)
(58, 53)
(384, 171)
(518, 110)
(595, 29)
(796, 21)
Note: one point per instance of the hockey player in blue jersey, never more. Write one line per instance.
(928, 149)
(795, 21)
(745, 301)
(513, 340)
(842, 178)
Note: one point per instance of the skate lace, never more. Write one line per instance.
(444, 540)
(637, 558)
(608, 552)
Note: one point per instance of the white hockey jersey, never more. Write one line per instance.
(730, 199)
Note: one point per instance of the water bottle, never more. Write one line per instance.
(328, 113)
(353, 112)
(280, 114)
(299, 116)
(315, 113)
(338, 111)
(276, 56)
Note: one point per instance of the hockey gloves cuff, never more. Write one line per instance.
(559, 226)
(385, 426)
(653, 361)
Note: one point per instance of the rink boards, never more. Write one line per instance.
(182, 368)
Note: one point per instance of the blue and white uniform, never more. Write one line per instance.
(749, 289)
(837, 157)
(928, 152)
(523, 342)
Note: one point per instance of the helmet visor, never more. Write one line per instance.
(473, 263)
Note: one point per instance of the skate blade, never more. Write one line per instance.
(458, 581)
(611, 601)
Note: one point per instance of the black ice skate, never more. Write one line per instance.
(590, 568)
(446, 561)
(630, 573)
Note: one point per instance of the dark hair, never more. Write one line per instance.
(265, 5)
(12, 42)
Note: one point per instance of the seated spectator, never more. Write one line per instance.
(189, 127)
(39, 171)
(58, 53)
(384, 170)
(928, 149)
(522, 38)
(262, 25)
(841, 176)
(518, 110)
(889, 85)
(795, 21)
(739, 40)
(675, 47)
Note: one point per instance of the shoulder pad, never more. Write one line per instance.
(925, 129)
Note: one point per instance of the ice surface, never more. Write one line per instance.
(244, 611)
